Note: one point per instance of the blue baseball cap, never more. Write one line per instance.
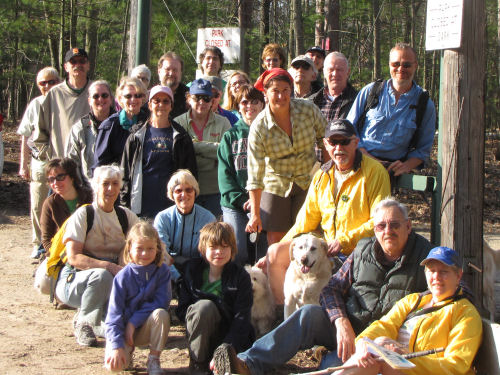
(445, 255)
(201, 86)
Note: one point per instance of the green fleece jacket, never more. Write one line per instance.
(206, 150)
(233, 174)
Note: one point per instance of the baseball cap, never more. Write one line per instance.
(445, 255)
(215, 81)
(317, 49)
(164, 89)
(75, 52)
(201, 86)
(305, 59)
(340, 127)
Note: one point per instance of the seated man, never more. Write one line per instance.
(399, 126)
(341, 197)
(304, 72)
(380, 271)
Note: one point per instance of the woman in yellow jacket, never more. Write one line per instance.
(441, 317)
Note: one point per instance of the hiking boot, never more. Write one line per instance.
(153, 365)
(226, 361)
(85, 335)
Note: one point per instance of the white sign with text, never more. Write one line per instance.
(226, 38)
(444, 24)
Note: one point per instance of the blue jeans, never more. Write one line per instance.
(211, 202)
(305, 328)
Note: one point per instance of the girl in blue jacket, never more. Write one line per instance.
(139, 302)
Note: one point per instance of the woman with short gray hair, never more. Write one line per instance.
(94, 239)
(179, 226)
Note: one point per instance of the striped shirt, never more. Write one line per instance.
(275, 160)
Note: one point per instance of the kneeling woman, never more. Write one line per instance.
(94, 248)
(440, 317)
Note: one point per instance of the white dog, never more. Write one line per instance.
(263, 301)
(309, 271)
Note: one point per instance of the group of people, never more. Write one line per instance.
(293, 153)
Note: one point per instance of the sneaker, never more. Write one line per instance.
(226, 361)
(85, 335)
(153, 365)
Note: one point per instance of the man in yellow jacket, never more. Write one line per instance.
(340, 199)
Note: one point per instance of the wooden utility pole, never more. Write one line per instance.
(461, 153)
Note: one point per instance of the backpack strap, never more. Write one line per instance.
(421, 106)
(89, 210)
(122, 218)
(371, 102)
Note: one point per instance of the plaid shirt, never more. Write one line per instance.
(275, 161)
(337, 108)
(335, 292)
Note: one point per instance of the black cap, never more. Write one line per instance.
(75, 52)
(317, 49)
(340, 127)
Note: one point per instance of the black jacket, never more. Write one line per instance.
(235, 305)
(347, 99)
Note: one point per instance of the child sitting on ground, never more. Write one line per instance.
(215, 298)
(139, 302)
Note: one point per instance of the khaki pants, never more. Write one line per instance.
(153, 333)
(38, 193)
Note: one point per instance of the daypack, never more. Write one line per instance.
(372, 102)
(57, 254)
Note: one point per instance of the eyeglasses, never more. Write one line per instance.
(74, 61)
(59, 177)
(397, 64)
(380, 227)
(246, 102)
(103, 95)
(341, 142)
(137, 96)
(158, 101)
(301, 64)
(271, 59)
(187, 190)
(205, 98)
(50, 82)
(239, 83)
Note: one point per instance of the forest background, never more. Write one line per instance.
(37, 33)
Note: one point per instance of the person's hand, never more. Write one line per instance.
(262, 264)
(169, 260)
(345, 339)
(129, 334)
(254, 224)
(246, 205)
(391, 344)
(363, 357)
(24, 172)
(398, 167)
(334, 248)
(116, 360)
(113, 268)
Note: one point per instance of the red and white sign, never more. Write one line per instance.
(226, 38)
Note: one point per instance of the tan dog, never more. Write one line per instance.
(263, 301)
(491, 263)
(308, 273)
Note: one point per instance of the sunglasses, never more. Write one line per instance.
(397, 64)
(59, 177)
(342, 142)
(103, 95)
(50, 82)
(253, 101)
(158, 101)
(130, 96)
(74, 61)
(188, 190)
(301, 64)
(380, 227)
(205, 98)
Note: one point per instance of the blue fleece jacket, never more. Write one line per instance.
(137, 291)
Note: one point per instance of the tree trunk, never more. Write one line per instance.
(245, 21)
(61, 36)
(291, 37)
(299, 27)
(334, 24)
(319, 26)
(132, 41)
(92, 35)
(264, 21)
(377, 71)
(52, 42)
(124, 42)
(73, 42)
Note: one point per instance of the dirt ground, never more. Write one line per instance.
(35, 338)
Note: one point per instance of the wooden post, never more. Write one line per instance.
(462, 122)
(132, 36)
